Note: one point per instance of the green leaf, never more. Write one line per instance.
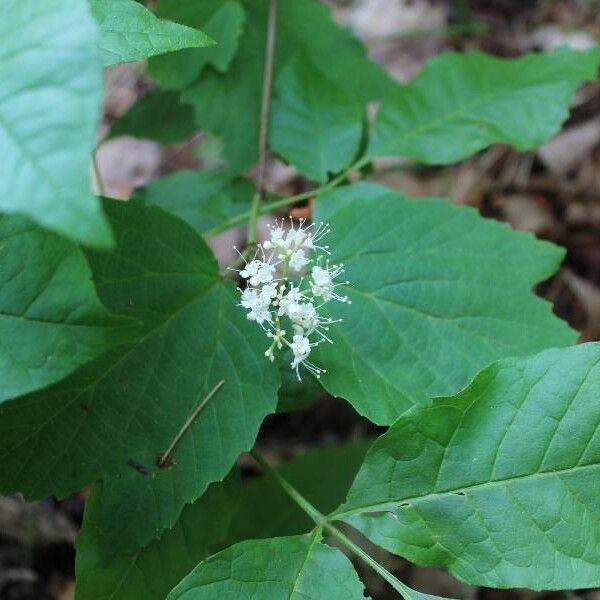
(115, 417)
(51, 320)
(130, 32)
(265, 510)
(176, 71)
(462, 103)
(228, 105)
(315, 125)
(295, 394)
(157, 116)
(204, 199)
(49, 104)
(287, 568)
(498, 484)
(152, 571)
(437, 293)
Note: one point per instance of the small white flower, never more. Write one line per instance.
(249, 298)
(322, 283)
(274, 296)
(298, 260)
(268, 292)
(260, 313)
(288, 302)
(300, 346)
(264, 273)
(251, 269)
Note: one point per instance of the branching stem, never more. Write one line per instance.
(323, 522)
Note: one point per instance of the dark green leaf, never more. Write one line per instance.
(228, 105)
(204, 199)
(498, 484)
(152, 571)
(51, 320)
(437, 293)
(462, 103)
(315, 124)
(265, 510)
(157, 116)
(130, 32)
(113, 418)
(178, 70)
(50, 96)
(288, 568)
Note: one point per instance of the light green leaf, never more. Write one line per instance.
(228, 105)
(150, 572)
(462, 103)
(437, 293)
(129, 32)
(315, 125)
(51, 320)
(177, 71)
(115, 417)
(204, 199)
(50, 97)
(157, 116)
(287, 568)
(265, 510)
(498, 484)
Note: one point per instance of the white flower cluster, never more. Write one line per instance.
(284, 293)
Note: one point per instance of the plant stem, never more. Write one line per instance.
(267, 207)
(322, 521)
(164, 457)
(265, 109)
(97, 174)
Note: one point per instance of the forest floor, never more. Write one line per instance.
(553, 192)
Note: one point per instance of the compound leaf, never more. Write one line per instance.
(437, 294)
(462, 103)
(498, 484)
(176, 71)
(129, 32)
(315, 125)
(286, 568)
(50, 98)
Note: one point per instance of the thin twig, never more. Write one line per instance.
(164, 457)
(265, 109)
(97, 174)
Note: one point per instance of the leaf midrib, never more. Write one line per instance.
(498, 483)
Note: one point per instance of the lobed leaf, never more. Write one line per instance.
(286, 568)
(497, 484)
(437, 294)
(151, 571)
(114, 418)
(462, 103)
(228, 104)
(50, 98)
(130, 32)
(51, 320)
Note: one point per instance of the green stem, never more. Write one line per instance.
(266, 207)
(322, 521)
(265, 109)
